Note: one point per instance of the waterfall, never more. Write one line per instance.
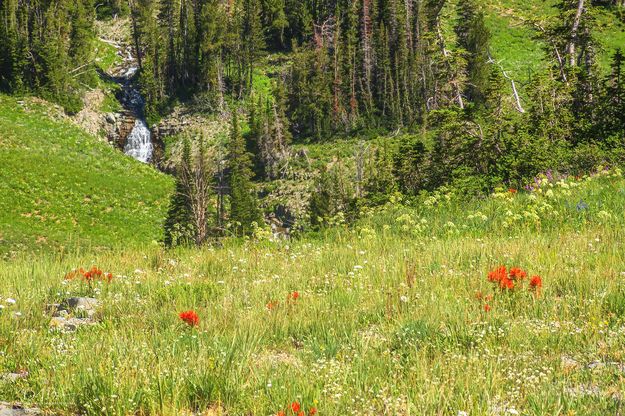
(139, 142)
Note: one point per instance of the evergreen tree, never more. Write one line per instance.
(244, 210)
(474, 38)
(179, 228)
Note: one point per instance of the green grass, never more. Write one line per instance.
(386, 322)
(60, 187)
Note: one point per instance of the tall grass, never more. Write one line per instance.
(386, 321)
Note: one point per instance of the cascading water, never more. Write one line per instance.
(139, 140)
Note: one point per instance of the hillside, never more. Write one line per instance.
(61, 188)
(394, 316)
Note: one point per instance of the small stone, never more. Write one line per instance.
(87, 305)
(596, 364)
(13, 377)
(110, 118)
(69, 324)
(8, 409)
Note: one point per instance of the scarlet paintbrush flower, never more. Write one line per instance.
(487, 308)
(190, 318)
(293, 295)
(517, 273)
(295, 407)
(109, 277)
(506, 283)
(312, 411)
(272, 305)
(281, 413)
(498, 274)
(536, 282)
(512, 191)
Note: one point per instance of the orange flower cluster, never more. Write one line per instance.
(296, 409)
(291, 298)
(93, 274)
(190, 318)
(509, 280)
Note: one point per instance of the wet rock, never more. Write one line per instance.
(8, 409)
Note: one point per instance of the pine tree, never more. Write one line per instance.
(244, 212)
(179, 228)
(253, 38)
(474, 38)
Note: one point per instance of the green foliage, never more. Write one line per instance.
(47, 48)
(244, 212)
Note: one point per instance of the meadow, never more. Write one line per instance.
(404, 313)
(61, 188)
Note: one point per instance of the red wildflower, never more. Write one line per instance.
(486, 307)
(312, 411)
(109, 277)
(295, 295)
(512, 191)
(272, 305)
(536, 282)
(498, 274)
(295, 407)
(281, 413)
(506, 283)
(190, 318)
(517, 273)
(301, 413)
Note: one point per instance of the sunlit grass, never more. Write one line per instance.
(386, 321)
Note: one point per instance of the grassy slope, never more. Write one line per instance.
(514, 44)
(366, 337)
(62, 187)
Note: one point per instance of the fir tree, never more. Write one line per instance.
(474, 38)
(244, 212)
(179, 228)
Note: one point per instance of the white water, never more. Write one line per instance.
(139, 142)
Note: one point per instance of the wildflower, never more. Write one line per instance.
(506, 283)
(478, 295)
(295, 407)
(109, 276)
(312, 411)
(512, 191)
(271, 305)
(517, 274)
(486, 307)
(190, 318)
(498, 274)
(11, 301)
(293, 295)
(281, 413)
(536, 282)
